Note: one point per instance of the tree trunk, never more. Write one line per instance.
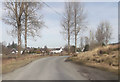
(19, 30)
(75, 31)
(19, 40)
(26, 8)
(68, 40)
(18, 19)
(69, 34)
(25, 37)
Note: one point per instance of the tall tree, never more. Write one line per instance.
(13, 16)
(92, 41)
(28, 23)
(79, 17)
(108, 32)
(33, 21)
(86, 40)
(26, 18)
(81, 42)
(103, 33)
(67, 22)
(14, 45)
(100, 34)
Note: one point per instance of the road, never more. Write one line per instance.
(54, 68)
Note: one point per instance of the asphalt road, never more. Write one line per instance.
(55, 68)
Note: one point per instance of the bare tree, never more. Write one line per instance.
(79, 17)
(108, 32)
(81, 42)
(33, 22)
(26, 18)
(92, 43)
(13, 16)
(86, 40)
(67, 23)
(30, 21)
(103, 33)
(100, 34)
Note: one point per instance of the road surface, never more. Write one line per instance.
(54, 68)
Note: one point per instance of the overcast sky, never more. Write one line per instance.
(51, 36)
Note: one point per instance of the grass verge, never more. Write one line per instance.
(105, 58)
(100, 66)
(10, 64)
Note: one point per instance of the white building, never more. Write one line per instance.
(13, 51)
(57, 51)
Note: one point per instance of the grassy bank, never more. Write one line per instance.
(9, 63)
(104, 58)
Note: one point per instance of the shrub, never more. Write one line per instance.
(86, 48)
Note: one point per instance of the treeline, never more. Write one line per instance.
(74, 24)
(24, 18)
(7, 49)
(100, 37)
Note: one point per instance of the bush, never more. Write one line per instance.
(86, 48)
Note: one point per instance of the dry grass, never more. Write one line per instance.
(11, 63)
(105, 58)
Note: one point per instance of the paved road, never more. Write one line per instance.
(54, 68)
(51, 68)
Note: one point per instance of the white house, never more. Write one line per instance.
(14, 51)
(57, 51)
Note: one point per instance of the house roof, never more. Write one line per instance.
(13, 49)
